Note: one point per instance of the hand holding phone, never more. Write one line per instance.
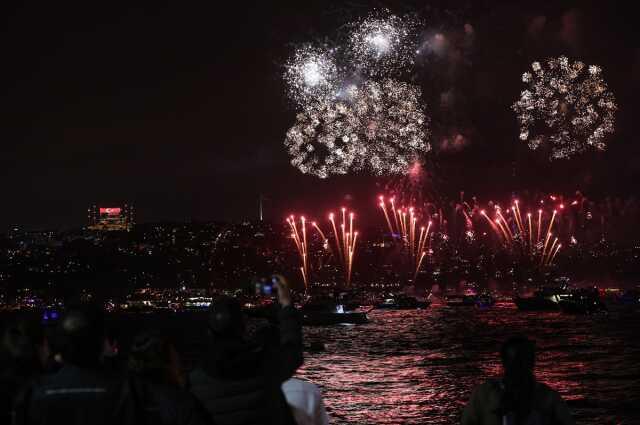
(266, 287)
(284, 293)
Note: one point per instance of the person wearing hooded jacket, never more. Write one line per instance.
(517, 398)
(240, 381)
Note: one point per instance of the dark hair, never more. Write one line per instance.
(518, 355)
(226, 320)
(81, 335)
(153, 357)
(518, 358)
(19, 347)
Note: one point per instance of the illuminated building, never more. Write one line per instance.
(110, 218)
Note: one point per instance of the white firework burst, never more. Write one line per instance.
(382, 43)
(312, 75)
(394, 125)
(381, 127)
(324, 141)
(566, 106)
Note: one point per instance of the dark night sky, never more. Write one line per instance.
(180, 109)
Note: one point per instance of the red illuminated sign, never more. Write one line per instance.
(110, 211)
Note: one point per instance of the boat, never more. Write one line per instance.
(351, 300)
(545, 299)
(583, 301)
(326, 311)
(402, 302)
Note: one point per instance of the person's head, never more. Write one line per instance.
(518, 355)
(81, 334)
(226, 321)
(155, 358)
(24, 347)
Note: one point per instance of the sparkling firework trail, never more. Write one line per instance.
(335, 232)
(345, 242)
(553, 217)
(502, 229)
(506, 225)
(325, 241)
(566, 106)
(555, 252)
(516, 210)
(383, 205)
(530, 232)
(415, 275)
(553, 245)
(393, 209)
(406, 224)
(539, 225)
(517, 237)
(491, 223)
(544, 247)
(301, 244)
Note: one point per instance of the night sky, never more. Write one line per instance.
(181, 111)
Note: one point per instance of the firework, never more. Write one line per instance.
(566, 106)
(381, 128)
(411, 188)
(325, 140)
(554, 253)
(394, 125)
(325, 241)
(551, 250)
(382, 43)
(345, 239)
(406, 223)
(358, 124)
(528, 239)
(312, 75)
(301, 244)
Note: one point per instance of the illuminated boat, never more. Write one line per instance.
(326, 311)
(583, 301)
(546, 299)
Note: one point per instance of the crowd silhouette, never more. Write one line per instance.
(77, 375)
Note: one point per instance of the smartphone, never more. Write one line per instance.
(50, 316)
(267, 286)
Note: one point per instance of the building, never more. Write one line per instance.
(110, 218)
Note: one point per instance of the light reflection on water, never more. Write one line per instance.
(417, 367)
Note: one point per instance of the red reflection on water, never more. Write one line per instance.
(417, 367)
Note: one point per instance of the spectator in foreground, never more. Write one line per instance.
(23, 354)
(240, 381)
(157, 383)
(516, 399)
(81, 392)
(305, 400)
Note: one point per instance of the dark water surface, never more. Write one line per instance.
(419, 367)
